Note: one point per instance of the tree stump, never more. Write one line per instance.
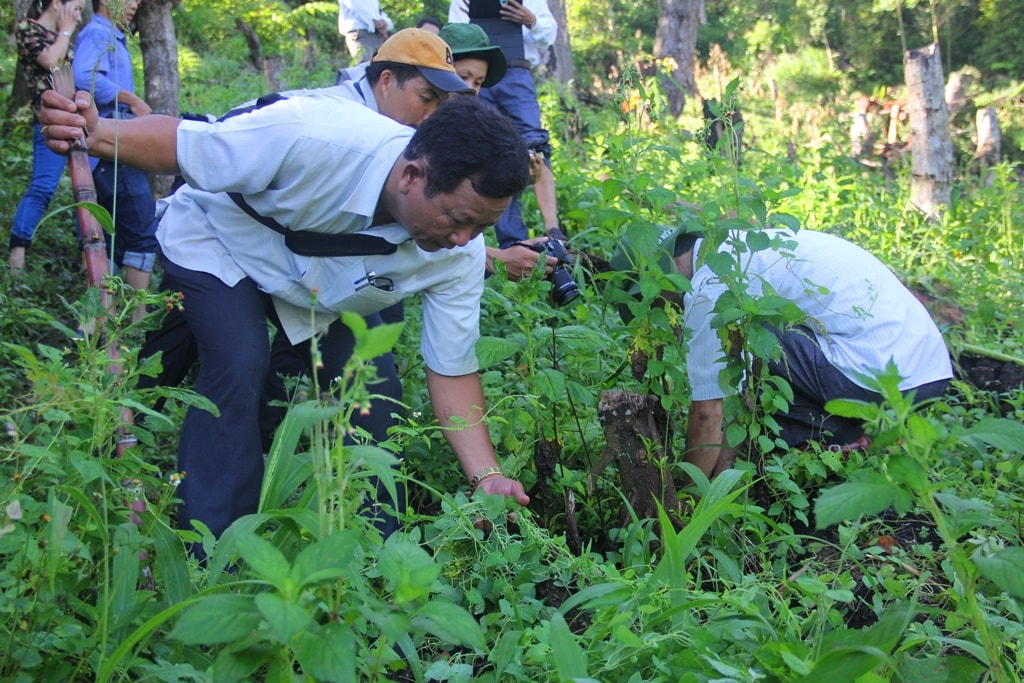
(986, 155)
(931, 147)
(956, 92)
(636, 430)
(862, 140)
(273, 65)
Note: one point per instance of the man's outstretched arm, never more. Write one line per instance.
(459, 400)
(148, 143)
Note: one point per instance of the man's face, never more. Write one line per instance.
(472, 71)
(409, 104)
(446, 220)
(121, 12)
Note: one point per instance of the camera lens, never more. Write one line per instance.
(563, 287)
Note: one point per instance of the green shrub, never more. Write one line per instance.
(806, 76)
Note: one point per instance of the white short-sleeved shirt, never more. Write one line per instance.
(536, 40)
(315, 163)
(355, 15)
(861, 314)
(352, 86)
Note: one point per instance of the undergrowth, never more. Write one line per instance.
(900, 563)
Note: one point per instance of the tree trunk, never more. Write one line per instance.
(253, 41)
(632, 425)
(20, 94)
(989, 142)
(777, 101)
(930, 145)
(269, 65)
(309, 51)
(21, 9)
(559, 62)
(273, 65)
(676, 41)
(160, 68)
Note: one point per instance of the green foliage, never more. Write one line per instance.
(615, 29)
(738, 583)
(212, 45)
(806, 75)
(995, 53)
(904, 482)
(77, 538)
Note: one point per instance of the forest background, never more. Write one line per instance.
(901, 563)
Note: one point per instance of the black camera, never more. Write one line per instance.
(563, 287)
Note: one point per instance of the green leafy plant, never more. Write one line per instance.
(738, 584)
(904, 482)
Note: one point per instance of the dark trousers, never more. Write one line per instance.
(226, 328)
(815, 382)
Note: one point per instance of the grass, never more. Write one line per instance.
(887, 565)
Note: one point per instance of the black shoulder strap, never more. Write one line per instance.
(304, 242)
(261, 101)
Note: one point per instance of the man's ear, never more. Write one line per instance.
(386, 81)
(412, 173)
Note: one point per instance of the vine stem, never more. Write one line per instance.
(976, 350)
(963, 569)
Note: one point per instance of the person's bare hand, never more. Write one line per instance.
(503, 486)
(520, 260)
(536, 164)
(66, 123)
(68, 17)
(515, 12)
(140, 108)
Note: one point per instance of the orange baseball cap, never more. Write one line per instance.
(429, 54)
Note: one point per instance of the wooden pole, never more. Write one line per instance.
(94, 246)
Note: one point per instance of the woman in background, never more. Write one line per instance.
(44, 42)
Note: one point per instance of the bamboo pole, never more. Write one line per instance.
(94, 246)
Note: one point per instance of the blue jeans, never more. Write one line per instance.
(47, 168)
(134, 240)
(515, 95)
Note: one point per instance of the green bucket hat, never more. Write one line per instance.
(659, 245)
(469, 40)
